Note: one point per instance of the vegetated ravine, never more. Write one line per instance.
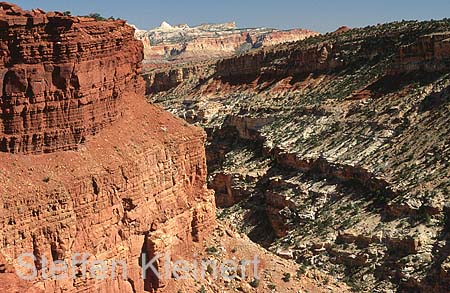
(333, 151)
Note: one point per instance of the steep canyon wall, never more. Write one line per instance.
(86, 164)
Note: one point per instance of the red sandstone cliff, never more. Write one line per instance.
(61, 79)
(430, 53)
(119, 176)
(260, 64)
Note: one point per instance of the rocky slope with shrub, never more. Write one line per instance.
(333, 151)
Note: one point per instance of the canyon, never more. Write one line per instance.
(327, 156)
(87, 165)
(332, 151)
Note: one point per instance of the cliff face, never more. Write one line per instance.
(429, 53)
(161, 80)
(343, 140)
(278, 37)
(234, 72)
(65, 84)
(120, 177)
(182, 43)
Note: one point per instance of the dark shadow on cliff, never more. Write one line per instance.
(393, 83)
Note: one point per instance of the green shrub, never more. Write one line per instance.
(95, 16)
(301, 271)
(286, 277)
(254, 283)
(212, 250)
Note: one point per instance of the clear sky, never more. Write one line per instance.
(319, 15)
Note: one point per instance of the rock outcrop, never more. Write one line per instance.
(86, 164)
(61, 78)
(182, 43)
(429, 53)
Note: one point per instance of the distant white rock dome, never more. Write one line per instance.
(165, 25)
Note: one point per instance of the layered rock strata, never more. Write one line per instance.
(61, 78)
(430, 53)
(181, 43)
(87, 165)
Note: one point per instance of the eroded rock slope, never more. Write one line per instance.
(338, 144)
(119, 176)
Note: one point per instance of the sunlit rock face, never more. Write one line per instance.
(86, 164)
(181, 43)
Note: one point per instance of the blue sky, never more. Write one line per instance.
(323, 15)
